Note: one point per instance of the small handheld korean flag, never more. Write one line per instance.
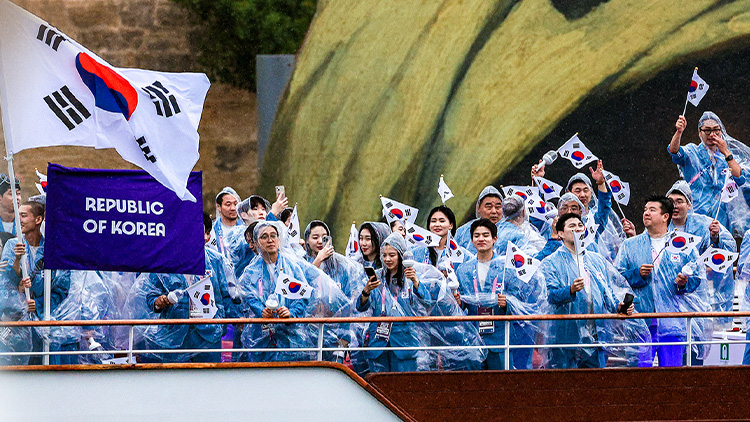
(352, 246)
(202, 299)
(730, 190)
(620, 190)
(528, 194)
(524, 265)
(680, 242)
(444, 191)
(698, 88)
(394, 210)
(718, 260)
(576, 152)
(542, 210)
(42, 185)
(291, 288)
(417, 236)
(589, 232)
(452, 252)
(294, 226)
(548, 188)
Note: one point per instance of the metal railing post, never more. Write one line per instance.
(507, 345)
(320, 341)
(130, 344)
(689, 350)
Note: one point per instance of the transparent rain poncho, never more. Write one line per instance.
(14, 339)
(743, 277)
(514, 212)
(659, 292)
(463, 233)
(703, 171)
(258, 284)
(150, 286)
(606, 289)
(610, 234)
(238, 251)
(522, 298)
(397, 296)
(720, 286)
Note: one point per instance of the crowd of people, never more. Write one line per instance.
(255, 268)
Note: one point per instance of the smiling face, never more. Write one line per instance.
(439, 224)
(397, 227)
(570, 206)
(582, 191)
(482, 239)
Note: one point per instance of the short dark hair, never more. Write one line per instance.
(560, 225)
(37, 209)
(256, 200)
(220, 197)
(483, 222)
(207, 223)
(285, 214)
(250, 229)
(447, 212)
(665, 203)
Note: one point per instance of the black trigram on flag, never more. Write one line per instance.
(67, 108)
(166, 104)
(145, 149)
(49, 36)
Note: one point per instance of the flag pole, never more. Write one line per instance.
(11, 173)
(687, 97)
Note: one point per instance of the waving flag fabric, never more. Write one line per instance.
(202, 299)
(620, 190)
(576, 152)
(730, 189)
(698, 88)
(291, 288)
(444, 191)
(394, 210)
(352, 246)
(294, 230)
(547, 188)
(718, 260)
(524, 265)
(681, 242)
(56, 92)
(417, 236)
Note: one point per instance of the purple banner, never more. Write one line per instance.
(121, 220)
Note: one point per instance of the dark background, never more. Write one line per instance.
(630, 131)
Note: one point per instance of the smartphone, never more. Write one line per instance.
(370, 272)
(326, 240)
(626, 303)
(280, 190)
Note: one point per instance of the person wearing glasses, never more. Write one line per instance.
(702, 165)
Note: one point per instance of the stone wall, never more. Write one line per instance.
(152, 34)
